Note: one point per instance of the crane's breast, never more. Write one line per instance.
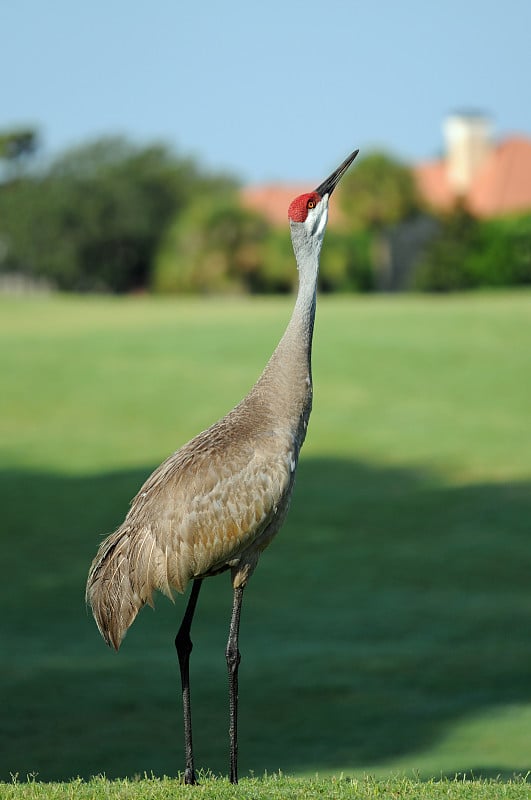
(226, 520)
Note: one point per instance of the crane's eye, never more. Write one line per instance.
(310, 203)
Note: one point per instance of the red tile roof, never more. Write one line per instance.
(501, 185)
(272, 200)
(433, 185)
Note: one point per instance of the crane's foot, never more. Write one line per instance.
(190, 778)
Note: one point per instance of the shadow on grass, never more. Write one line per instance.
(389, 607)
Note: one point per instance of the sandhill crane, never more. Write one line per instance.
(216, 503)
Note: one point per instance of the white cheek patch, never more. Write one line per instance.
(318, 217)
(324, 218)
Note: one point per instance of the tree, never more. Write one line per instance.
(469, 252)
(346, 262)
(379, 192)
(94, 219)
(16, 147)
(444, 266)
(214, 245)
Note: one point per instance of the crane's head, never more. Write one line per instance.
(310, 211)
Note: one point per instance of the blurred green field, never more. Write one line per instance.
(387, 629)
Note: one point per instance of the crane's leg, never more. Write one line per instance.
(184, 646)
(233, 661)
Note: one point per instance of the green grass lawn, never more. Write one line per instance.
(275, 787)
(388, 628)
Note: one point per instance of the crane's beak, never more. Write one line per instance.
(328, 186)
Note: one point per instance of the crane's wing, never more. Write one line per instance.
(196, 514)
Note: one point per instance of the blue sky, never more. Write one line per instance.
(270, 90)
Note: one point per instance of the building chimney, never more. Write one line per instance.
(468, 143)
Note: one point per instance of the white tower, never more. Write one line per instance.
(468, 142)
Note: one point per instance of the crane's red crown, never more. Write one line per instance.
(298, 210)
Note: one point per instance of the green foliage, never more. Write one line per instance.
(378, 192)
(111, 216)
(503, 257)
(469, 253)
(17, 146)
(346, 262)
(278, 272)
(213, 246)
(445, 265)
(94, 218)
(389, 620)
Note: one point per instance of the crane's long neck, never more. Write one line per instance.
(287, 378)
(307, 244)
(307, 250)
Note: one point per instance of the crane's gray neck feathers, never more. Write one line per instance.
(307, 242)
(290, 365)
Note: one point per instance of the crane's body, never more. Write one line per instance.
(216, 503)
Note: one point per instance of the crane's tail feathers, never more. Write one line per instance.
(128, 567)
